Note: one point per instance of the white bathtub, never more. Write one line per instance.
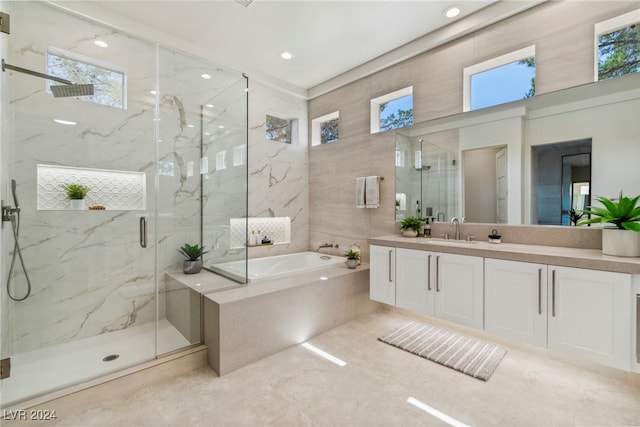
(276, 266)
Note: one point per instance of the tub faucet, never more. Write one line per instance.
(326, 245)
(454, 221)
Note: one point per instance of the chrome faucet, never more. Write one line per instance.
(455, 221)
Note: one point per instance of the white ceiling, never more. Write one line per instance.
(327, 38)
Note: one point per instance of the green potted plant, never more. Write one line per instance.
(193, 263)
(411, 226)
(76, 194)
(624, 238)
(352, 258)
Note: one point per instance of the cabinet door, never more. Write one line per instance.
(459, 289)
(515, 297)
(414, 286)
(382, 271)
(589, 315)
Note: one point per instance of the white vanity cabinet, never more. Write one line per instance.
(583, 313)
(444, 285)
(588, 314)
(516, 300)
(459, 289)
(414, 280)
(382, 271)
(591, 314)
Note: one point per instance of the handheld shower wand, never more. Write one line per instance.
(13, 215)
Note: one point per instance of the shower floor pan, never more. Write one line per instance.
(43, 371)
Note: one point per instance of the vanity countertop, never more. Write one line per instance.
(568, 257)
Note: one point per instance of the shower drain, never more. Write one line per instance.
(110, 357)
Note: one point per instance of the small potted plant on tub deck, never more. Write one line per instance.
(192, 264)
(352, 258)
(76, 193)
(624, 238)
(411, 226)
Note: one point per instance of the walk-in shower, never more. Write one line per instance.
(98, 300)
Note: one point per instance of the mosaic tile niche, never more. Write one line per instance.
(115, 190)
(277, 229)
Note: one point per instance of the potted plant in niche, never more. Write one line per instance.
(352, 258)
(411, 226)
(76, 193)
(192, 264)
(624, 238)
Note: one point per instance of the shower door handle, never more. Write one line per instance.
(143, 231)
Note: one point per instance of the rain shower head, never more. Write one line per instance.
(59, 91)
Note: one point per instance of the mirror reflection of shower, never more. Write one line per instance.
(12, 214)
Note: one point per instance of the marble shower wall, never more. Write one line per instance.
(225, 185)
(194, 109)
(89, 273)
(278, 172)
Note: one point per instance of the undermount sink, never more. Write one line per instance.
(466, 242)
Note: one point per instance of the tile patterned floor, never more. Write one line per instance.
(298, 388)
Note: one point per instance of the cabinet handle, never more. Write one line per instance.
(429, 273)
(438, 273)
(390, 279)
(638, 327)
(143, 231)
(553, 293)
(539, 291)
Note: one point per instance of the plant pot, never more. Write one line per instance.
(409, 233)
(618, 242)
(191, 267)
(352, 263)
(78, 204)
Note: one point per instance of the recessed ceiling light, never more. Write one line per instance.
(207, 133)
(452, 12)
(286, 55)
(65, 122)
(220, 126)
(152, 92)
(209, 105)
(100, 43)
(189, 126)
(206, 76)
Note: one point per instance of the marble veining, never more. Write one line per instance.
(90, 275)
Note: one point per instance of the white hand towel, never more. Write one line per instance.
(372, 192)
(360, 189)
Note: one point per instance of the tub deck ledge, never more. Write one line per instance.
(248, 323)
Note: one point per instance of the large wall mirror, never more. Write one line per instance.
(532, 161)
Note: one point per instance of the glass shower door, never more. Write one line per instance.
(92, 304)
